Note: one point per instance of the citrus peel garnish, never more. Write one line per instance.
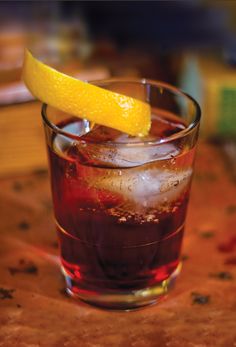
(86, 100)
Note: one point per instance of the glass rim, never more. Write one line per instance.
(144, 81)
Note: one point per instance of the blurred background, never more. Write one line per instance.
(191, 44)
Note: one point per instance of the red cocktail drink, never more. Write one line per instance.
(120, 204)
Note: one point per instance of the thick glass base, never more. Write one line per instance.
(128, 300)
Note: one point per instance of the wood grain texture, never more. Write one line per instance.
(22, 138)
(39, 314)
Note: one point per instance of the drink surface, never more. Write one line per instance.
(120, 209)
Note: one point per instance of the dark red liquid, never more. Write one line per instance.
(115, 234)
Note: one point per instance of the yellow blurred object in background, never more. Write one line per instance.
(213, 83)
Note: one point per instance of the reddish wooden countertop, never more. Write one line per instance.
(199, 312)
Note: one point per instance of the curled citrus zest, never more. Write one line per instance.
(86, 100)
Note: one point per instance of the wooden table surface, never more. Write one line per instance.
(199, 312)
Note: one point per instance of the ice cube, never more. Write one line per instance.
(130, 157)
(147, 187)
(124, 156)
(108, 147)
(61, 143)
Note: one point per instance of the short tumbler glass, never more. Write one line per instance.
(120, 202)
